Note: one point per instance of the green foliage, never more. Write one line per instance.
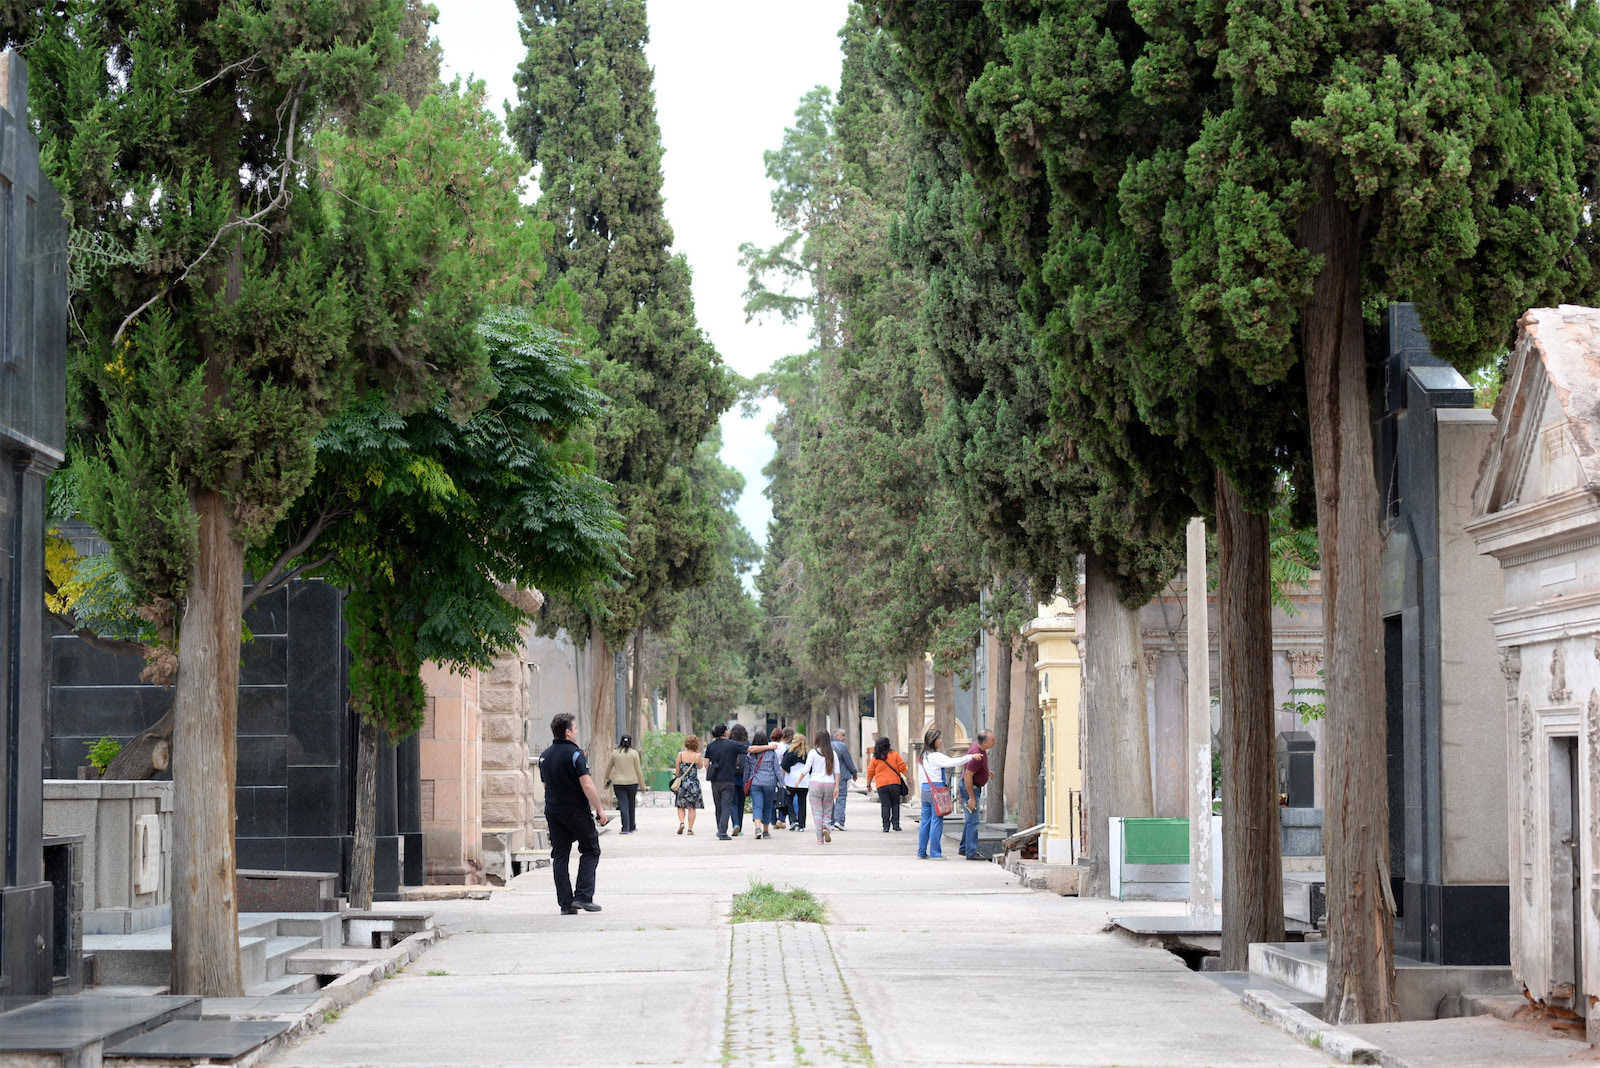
(765, 903)
(264, 227)
(659, 749)
(707, 645)
(586, 118)
(431, 521)
(102, 752)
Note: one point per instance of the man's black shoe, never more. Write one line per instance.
(724, 838)
(570, 910)
(587, 906)
(976, 856)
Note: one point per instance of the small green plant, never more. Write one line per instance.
(765, 903)
(658, 749)
(1311, 709)
(102, 753)
(436, 971)
(331, 1015)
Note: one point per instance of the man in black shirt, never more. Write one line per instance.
(571, 810)
(722, 772)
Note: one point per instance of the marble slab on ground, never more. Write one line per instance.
(1200, 925)
(275, 1005)
(1473, 1042)
(71, 1022)
(183, 1039)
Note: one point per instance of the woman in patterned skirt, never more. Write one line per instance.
(689, 764)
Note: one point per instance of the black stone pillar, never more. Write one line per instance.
(1438, 923)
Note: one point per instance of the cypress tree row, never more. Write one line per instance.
(586, 119)
(202, 371)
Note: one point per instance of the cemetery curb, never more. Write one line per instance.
(1340, 1045)
(340, 994)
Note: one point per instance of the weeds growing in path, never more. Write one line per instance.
(765, 903)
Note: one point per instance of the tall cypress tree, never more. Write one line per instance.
(1213, 197)
(586, 118)
(202, 372)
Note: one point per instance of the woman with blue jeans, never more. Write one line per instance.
(930, 830)
(763, 776)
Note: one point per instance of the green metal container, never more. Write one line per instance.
(658, 780)
(1155, 841)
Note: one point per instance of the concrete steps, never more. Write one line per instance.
(266, 942)
(1239, 982)
(1424, 991)
(287, 983)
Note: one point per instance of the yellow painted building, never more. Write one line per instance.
(1054, 631)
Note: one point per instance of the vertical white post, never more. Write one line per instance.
(1200, 894)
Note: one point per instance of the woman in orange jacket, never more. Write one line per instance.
(886, 773)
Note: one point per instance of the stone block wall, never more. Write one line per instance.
(505, 700)
(126, 857)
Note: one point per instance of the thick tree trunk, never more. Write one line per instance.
(364, 849)
(1030, 803)
(1001, 726)
(601, 736)
(205, 916)
(1360, 913)
(852, 724)
(147, 754)
(1116, 772)
(883, 704)
(675, 714)
(1252, 865)
(640, 716)
(916, 695)
(944, 707)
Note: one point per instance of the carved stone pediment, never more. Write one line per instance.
(1537, 487)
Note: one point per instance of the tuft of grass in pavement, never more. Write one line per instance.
(765, 903)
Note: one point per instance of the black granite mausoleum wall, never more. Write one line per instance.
(295, 790)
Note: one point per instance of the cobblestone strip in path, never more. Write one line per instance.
(787, 1002)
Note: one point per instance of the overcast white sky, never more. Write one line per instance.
(728, 76)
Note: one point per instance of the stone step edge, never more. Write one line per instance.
(339, 995)
(1340, 1045)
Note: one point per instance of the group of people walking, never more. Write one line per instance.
(782, 774)
(787, 778)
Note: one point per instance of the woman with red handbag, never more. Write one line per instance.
(936, 800)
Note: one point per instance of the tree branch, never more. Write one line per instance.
(105, 645)
(275, 574)
(251, 58)
(279, 199)
(260, 590)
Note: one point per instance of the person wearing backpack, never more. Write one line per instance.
(886, 773)
(936, 800)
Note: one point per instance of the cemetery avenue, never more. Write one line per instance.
(861, 532)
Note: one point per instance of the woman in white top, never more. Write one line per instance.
(930, 831)
(823, 781)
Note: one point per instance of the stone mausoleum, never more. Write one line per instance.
(36, 876)
(1537, 508)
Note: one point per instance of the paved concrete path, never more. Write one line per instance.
(923, 963)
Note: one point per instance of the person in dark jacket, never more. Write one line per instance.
(722, 773)
(572, 811)
(846, 776)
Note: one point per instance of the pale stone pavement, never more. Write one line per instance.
(922, 963)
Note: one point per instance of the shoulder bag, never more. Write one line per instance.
(905, 791)
(677, 780)
(943, 803)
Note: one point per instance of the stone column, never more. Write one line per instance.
(507, 779)
(1060, 672)
(1511, 670)
(1200, 892)
(1304, 666)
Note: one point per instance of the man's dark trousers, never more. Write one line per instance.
(564, 831)
(726, 795)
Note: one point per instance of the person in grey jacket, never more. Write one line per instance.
(847, 769)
